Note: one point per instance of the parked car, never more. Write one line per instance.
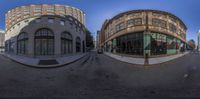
(100, 51)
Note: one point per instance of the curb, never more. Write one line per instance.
(147, 65)
(45, 66)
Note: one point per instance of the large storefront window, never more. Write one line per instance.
(66, 43)
(130, 44)
(78, 44)
(162, 44)
(44, 42)
(11, 45)
(171, 45)
(22, 43)
(138, 43)
(158, 44)
(6, 46)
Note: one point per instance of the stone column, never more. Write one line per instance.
(31, 45)
(147, 43)
(57, 44)
(74, 44)
(114, 45)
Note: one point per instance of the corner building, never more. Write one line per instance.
(45, 31)
(142, 32)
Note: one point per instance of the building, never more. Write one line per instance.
(43, 31)
(2, 38)
(97, 39)
(191, 45)
(144, 32)
(198, 46)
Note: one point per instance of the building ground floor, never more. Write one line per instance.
(45, 44)
(2, 49)
(145, 43)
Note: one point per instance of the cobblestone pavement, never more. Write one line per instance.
(97, 76)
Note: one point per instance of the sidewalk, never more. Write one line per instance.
(140, 61)
(36, 62)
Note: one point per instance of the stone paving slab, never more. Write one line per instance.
(141, 61)
(35, 62)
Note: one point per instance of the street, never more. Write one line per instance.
(97, 76)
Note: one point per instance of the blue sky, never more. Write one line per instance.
(99, 10)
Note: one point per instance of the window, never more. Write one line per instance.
(117, 28)
(26, 10)
(66, 43)
(70, 19)
(76, 28)
(76, 22)
(159, 23)
(38, 9)
(119, 19)
(62, 10)
(171, 43)
(134, 22)
(44, 42)
(22, 43)
(173, 19)
(138, 21)
(26, 21)
(158, 44)
(136, 14)
(37, 13)
(50, 9)
(71, 25)
(120, 26)
(26, 16)
(172, 28)
(62, 22)
(37, 20)
(51, 20)
(130, 44)
(78, 44)
(156, 14)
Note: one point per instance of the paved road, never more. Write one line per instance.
(97, 76)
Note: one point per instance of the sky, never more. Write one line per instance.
(97, 11)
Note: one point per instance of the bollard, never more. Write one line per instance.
(146, 62)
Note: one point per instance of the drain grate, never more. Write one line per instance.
(47, 62)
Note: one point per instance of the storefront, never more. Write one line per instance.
(141, 43)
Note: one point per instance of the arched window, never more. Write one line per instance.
(66, 43)
(44, 42)
(22, 43)
(78, 44)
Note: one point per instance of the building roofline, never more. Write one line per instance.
(45, 4)
(146, 10)
(58, 16)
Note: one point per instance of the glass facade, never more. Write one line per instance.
(22, 43)
(44, 42)
(66, 43)
(158, 44)
(137, 43)
(130, 44)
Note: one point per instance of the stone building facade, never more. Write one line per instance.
(2, 39)
(144, 32)
(45, 31)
